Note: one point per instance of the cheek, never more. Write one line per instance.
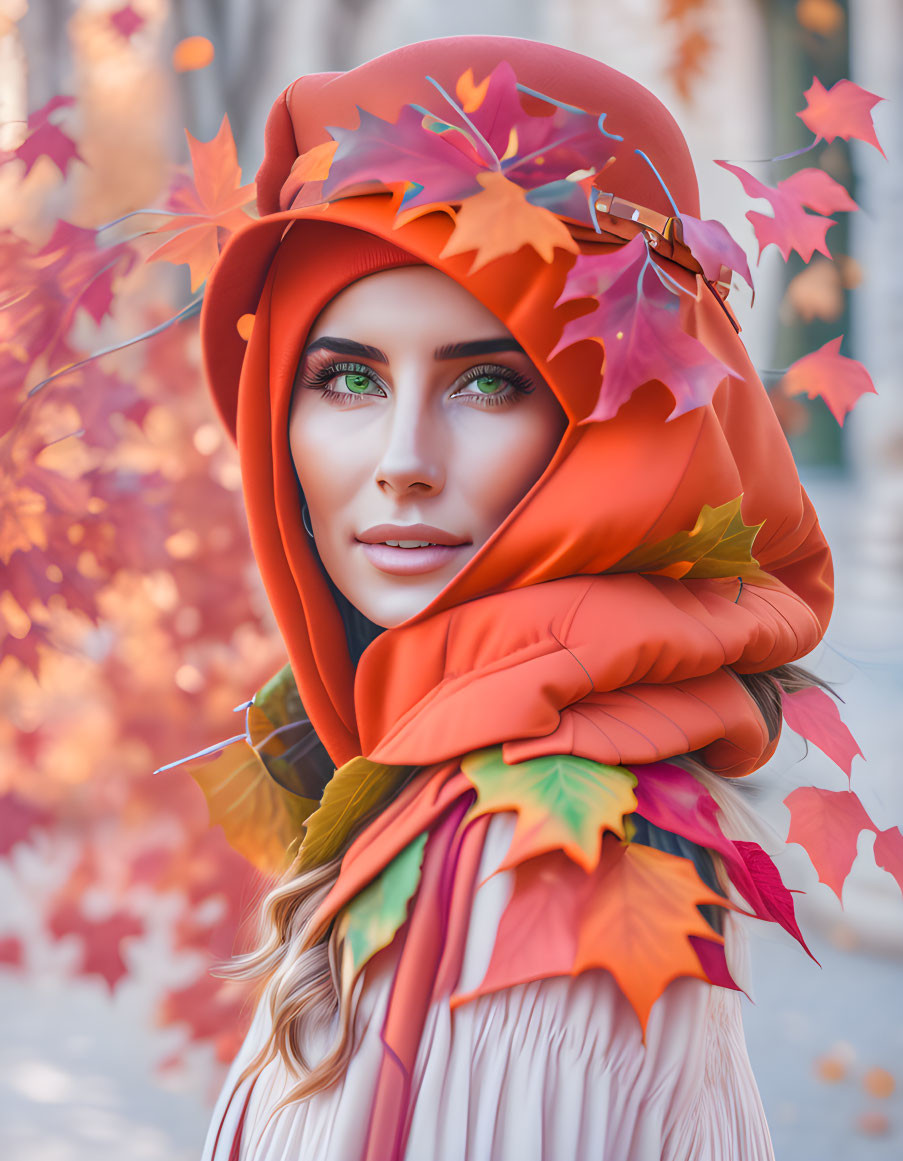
(327, 462)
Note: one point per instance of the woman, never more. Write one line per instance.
(504, 458)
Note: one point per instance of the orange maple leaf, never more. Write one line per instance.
(214, 203)
(501, 220)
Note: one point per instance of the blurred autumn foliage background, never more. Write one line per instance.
(132, 621)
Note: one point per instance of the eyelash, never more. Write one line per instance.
(320, 377)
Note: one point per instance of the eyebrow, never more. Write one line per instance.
(449, 351)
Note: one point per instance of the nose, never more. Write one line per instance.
(411, 459)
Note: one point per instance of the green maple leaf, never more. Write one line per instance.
(562, 802)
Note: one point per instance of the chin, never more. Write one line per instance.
(391, 609)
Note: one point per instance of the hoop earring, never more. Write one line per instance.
(305, 520)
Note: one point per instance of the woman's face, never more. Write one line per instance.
(417, 424)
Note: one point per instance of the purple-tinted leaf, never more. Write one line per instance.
(713, 247)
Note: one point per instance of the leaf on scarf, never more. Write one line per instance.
(844, 110)
(889, 852)
(814, 715)
(718, 545)
(207, 211)
(713, 247)
(827, 825)
(562, 802)
(45, 139)
(500, 220)
(839, 381)
(369, 922)
(632, 915)
(352, 792)
(791, 227)
(260, 819)
(637, 321)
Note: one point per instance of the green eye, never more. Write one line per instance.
(356, 383)
(489, 384)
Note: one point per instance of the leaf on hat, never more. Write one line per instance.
(791, 227)
(562, 802)
(813, 714)
(637, 321)
(839, 381)
(712, 246)
(500, 220)
(633, 915)
(844, 110)
(718, 545)
(207, 210)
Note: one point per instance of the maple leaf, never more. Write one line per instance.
(791, 227)
(827, 825)
(712, 246)
(369, 922)
(45, 139)
(127, 21)
(500, 220)
(773, 901)
(889, 852)
(212, 1010)
(260, 819)
(632, 915)
(18, 817)
(844, 110)
(101, 938)
(839, 381)
(637, 321)
(719, 544)
(207, 210)
(814, 715)
(562, 802)
(23, 524)
(352, 792)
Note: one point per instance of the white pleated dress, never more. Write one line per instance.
(554, 1070)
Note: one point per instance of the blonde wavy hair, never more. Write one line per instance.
(297, 968)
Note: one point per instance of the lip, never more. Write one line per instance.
(444, 548)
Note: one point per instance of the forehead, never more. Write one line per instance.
(409, 300)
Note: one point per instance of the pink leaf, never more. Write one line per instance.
(101, 939)
(637, 321)
(18, 817)
(827, 825)
(713, 247)
(127, 21)
(839, 381)
(791, 228)
(47, 140)
(773, 896)
(844, 110)
(889, 852)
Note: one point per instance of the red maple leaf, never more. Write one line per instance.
(815, 716)
(844, 110)
(838, 380)
(791, 227)
(889, 852)
(827, 825)
(208, 210)
(127, 21)
(45, 139)
(101, 938)
(637, 321)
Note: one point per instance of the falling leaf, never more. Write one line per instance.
(500, 220)
(816, 292)
(632, 915)
(889, 852)
(209, 209)
(839, 381)
(12, 951)
(791, 227)
(562, 802)
(127, 21)
(814, 715)
(637, 321)
(352, 793)
(101, 939)
(718, 545)
(192, 53)
(844, 110)
(260, 819)
(45, 139)
(712, 246)
(374, 915)
(827, 825)
(823, 17)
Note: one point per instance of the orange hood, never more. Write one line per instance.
(539, 642)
